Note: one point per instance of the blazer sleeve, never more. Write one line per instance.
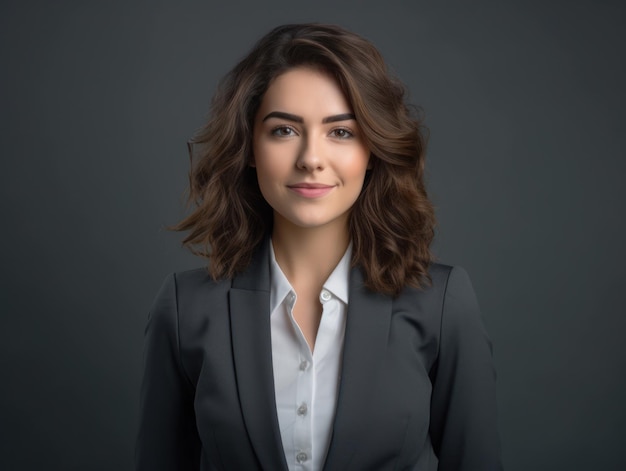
(167, 437)
(464, 428)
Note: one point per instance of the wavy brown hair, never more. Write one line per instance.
(392, 222)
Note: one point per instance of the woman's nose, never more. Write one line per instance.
(310, 157)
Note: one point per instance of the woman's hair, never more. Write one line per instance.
(392, 222)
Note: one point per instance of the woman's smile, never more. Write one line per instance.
(311, 190)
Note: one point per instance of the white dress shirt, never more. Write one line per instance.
(306, 383)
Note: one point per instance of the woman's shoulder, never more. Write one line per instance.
(456, 298)
(439, 277)
(193, 284)
(439, 273)
(444, 277)
(186, 297)
(193, 277)
(446, 282)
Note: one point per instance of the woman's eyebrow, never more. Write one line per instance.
(283, 115)
(300, 119)
(339, 117)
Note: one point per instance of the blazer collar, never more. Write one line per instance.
(252, 352)
(367, 328)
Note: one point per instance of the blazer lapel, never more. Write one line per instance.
(252, 351)
(367, 330)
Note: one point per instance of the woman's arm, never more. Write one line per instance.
(464, 428)
(167, 437)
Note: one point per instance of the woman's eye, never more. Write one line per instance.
(341, 133)
(283, 131)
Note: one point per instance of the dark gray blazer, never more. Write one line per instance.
(417, 389)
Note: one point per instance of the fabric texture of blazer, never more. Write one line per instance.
(417, 387)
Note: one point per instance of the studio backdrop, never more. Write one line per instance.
(526, 163)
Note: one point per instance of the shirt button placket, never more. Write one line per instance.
(302, 426)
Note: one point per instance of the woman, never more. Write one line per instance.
(322, 335)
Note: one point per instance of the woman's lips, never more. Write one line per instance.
(311, 190)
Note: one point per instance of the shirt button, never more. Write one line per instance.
(325, 296)
(302, 409)
(301, 457)
(303, 365)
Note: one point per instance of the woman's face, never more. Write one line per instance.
(308, 150)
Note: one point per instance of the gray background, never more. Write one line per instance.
(525, 102)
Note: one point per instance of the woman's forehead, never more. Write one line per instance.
(306, 92)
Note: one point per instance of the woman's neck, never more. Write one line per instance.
(309, 255)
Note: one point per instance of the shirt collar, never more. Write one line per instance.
(337, 282)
